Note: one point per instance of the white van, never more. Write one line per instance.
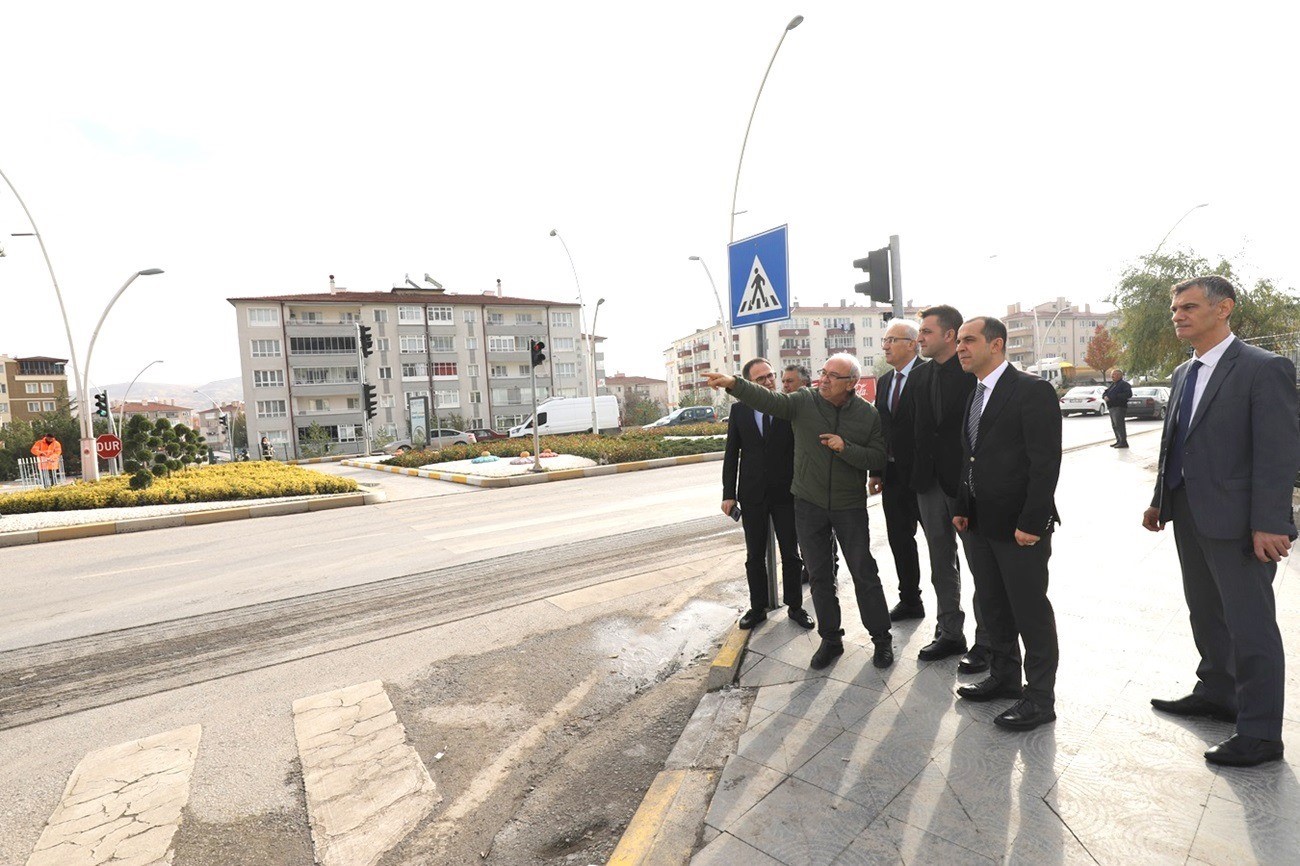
(571, 415)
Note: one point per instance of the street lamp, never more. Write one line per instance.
(592, 336)
(723, 320)
(1174, 226)
(1038, 356)
(126, 394)
(591, 355)
(735, 192)
(230, 425)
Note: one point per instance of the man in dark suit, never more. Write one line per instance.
(1228, 459)
(943, 389)
(1117, 397)
(895, 403)
(757, 470)
(1012, 459)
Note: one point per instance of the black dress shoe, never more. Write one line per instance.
(752, 618)
(1114, 445)
(1242, 751)
(941, 648)
(826, 653)
(1024, 715)
(1125, 445)
(1196, 706)
(903, 611)
(883, 657)
(974, 662)
(989, 689)
(801, 618)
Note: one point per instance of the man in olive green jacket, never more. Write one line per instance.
(838, 441)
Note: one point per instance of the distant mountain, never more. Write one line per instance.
(221, 390)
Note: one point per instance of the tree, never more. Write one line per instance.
(157, 448)
(1103, 352)
(239, 427)
(695, 397)
(1142, 300)
(316, 442)
(16, 440)
(638, 410)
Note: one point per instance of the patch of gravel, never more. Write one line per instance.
(47, 519)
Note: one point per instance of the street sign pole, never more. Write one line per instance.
(896, 276)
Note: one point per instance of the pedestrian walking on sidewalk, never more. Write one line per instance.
(48, 451)
(837, 443)
(1117, 397)
(757, 469)
(1228, 459)
(1007, 509)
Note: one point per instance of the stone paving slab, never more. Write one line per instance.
(366, 786)
(122, 805)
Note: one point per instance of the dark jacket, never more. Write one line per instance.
(1011, 474)
(942, 394)
(1118, 395)
(764, 463)
(822, 477)
(900, 428)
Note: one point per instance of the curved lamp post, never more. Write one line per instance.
(127, 393)
(735, 192)
(591, 341)
(595, 428)
(722, 315)
(1175, 225)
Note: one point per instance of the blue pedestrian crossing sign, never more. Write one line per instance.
(760, 278)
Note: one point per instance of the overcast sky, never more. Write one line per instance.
(1020, 151)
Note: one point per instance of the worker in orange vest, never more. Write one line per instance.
(47, 451)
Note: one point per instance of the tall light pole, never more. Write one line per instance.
(591, 342)
(723, 320)
(1174, 226)
(230, 425)
(735, 192)
(127, 393)
(595, 428)
(89, 459)
(1038, 356)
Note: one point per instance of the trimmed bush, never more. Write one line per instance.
(229, 481)
(717, 428)
(602, 449)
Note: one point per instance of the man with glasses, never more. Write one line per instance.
(794, 378)
(757, 469)
(837, 443)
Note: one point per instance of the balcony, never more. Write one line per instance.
(839, 332)
(792, 332)
(703, 366)
(684, 353)
(793, 353)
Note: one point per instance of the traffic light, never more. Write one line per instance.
(367, 342)
(876, 264)
(101, 404)
(535, 348)
(225, 423)
(370, 400)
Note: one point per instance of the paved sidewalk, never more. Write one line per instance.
(855, 765)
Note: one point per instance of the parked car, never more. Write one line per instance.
(1149, 403)
(440, 439)
(685, 415)
(1084, 400)
(483, 434)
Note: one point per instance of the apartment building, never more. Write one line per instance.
(154, 410)
(209, 420)
(1053, 329)
(466, 354)
(623, 386)
(31, 387)
(810, 336)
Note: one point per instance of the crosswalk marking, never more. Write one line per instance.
(366, 787)
(123, 803)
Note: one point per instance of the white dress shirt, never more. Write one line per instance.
(901, 378)
(990, 382)
(1208, 361)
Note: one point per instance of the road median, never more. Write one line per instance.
(540, 478)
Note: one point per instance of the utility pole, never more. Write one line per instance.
(535, 358)
(361, 384)
(896, 276)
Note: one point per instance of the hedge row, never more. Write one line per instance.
(602, 449)
(709, 429)
(230, 481)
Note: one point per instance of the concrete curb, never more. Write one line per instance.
(192, 518)
(667, 825)
(332, 458)
(557, 475)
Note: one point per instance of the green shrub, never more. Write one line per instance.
(601, 449)
(707, 429)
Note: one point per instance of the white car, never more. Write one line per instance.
(1085, 400)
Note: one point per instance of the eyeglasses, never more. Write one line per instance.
(888, 340)
(827, 374)
(770, 377)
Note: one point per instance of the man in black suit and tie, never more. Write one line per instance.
(1228, 459)
(1012, 459)
(895, 403)
(760, 451)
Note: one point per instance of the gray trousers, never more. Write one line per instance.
(937, 510)
(1234, 625)
(1117, 425)
(816, 527)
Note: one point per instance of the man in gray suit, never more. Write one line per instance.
(1228, 459)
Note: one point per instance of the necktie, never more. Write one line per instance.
(762, 424)
(973, 420)
(898, 387)
(1174, 464)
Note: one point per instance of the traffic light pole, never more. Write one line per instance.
(361, 382)
(537, 437)
(896, 276)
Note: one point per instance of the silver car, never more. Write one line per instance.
(1084, 400)
(445, 436)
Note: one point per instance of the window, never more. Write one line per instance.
(386, 401)
(471, 343)
(471, 316)
(866, 321)
(501, 344)
(411, 343)
(325, 375)
(448, 399)
(265, 348)
(381, 316)
(263, 316)
(566, 370)
(498, 371)
(268, 378)
(354, 402)
(381, 344)
(473, 369)
(442, 344)
(444, 368)
(409, 315)
(318, 405)
(34, 406)
(476, 396)
(440, 315)
(414, 371)
(271, 409)
(495, 318)
(869, 342)
(47, 387)
(33, 388)
(322, 346)
(385, 372)
(348, 318)
(563, 344)
(276, 435)
(506, 421)
(562, 320)
(523, 318)
(4, 408)
(347, 432)
(48, 405)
